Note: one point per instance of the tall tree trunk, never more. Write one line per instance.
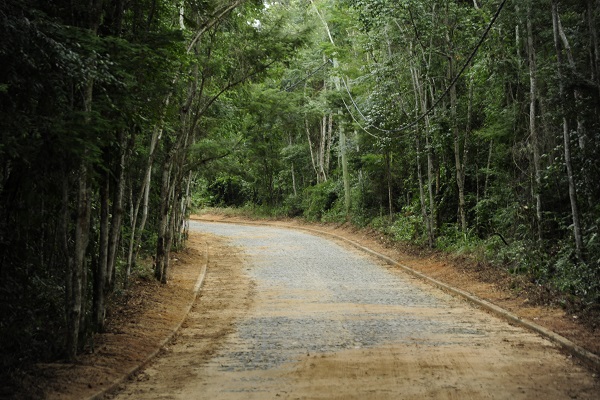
(428, 212)
(345, 173)
(117, 214)
(76, 276)
(533, 130)
(185, 204)
(388, 175)
(458, 163)
(292, 169)
(431, 178)
(100, 270)
(422, 197)
(566, 137)
(329, 142)
(487, 169)
(161, 246)
(75, 290)
(142, 200)
(310, 147)
(342, 134)
(322, 147)
(592, 10)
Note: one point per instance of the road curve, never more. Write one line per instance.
(315, 319)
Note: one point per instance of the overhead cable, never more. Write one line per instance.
(445, 93)
(287, 89)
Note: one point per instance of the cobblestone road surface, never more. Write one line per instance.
(328, 321)
(353, 301)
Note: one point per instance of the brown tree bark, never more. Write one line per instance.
(101, 262)
(75, 279)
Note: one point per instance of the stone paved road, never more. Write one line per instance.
(327, 322)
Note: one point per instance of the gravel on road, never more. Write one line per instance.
(328, 321)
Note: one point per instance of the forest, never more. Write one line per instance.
(466, 126)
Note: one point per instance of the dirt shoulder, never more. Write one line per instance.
(148, 314)
(141, 322)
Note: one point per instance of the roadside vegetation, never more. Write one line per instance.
(441, 126)
(468, 127)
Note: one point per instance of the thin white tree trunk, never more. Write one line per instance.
(117, 216)
(142, 200)
(310, 146)
(533, 130)
(566, 138)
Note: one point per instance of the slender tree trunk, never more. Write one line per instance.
(75, 290)
(329, 142)
(533, 130)
(388, 174)
(342, 134)
(310, 146)
(422, 197)
(487, 169)
(458, 164)
(592, 10)
(345, 173)
(172, 223)
(430, 184)
(117, 215)
(99, 304)
(428, 212)
(322, 146)
(294, 180)
(143, 199)
(161, 245)
(566, 137)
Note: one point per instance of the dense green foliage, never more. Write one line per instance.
(103, 107)
(502, 161)
(115, 116)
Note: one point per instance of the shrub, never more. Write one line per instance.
(318, 199)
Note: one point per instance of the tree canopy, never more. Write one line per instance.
(460, 125)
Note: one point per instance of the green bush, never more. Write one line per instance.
(227, 191)
(292, 206)
(318, 199)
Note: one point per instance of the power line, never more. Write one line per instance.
(445, 93)
(287, 89)
(359, 125)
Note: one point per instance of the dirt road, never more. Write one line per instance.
(287, 315)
